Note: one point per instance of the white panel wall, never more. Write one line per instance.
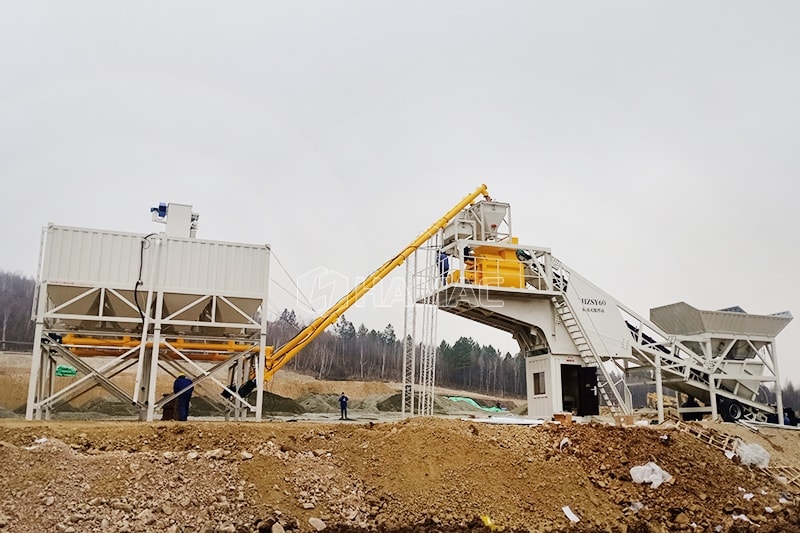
(190, 265)
(545, 405)
(540, 406)
(78, 256)
(98, 258)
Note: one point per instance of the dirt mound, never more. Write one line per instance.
(109, 406)
(420, 474)
(295, 385)
(521, 410)
(201, 406)
(393, 403)
(442, 405)
(367, 404)
(319, 403)
(274, 404)
(61, 408)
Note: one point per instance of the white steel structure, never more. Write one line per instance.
(581, 344)
(409, 338)
(108, 302)
(426, 281)
(422, 279)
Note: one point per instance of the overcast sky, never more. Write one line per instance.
(653, 146)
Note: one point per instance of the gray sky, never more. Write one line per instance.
(651, 145)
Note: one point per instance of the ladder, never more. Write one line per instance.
(715, 439)
(785, 474)
(605, 386)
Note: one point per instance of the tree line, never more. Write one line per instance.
(347, 352)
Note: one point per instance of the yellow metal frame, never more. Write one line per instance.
(201, 351)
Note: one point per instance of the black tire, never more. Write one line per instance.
(732, 411)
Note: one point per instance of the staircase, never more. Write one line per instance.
(608, 392)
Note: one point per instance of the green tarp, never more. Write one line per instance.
(475, 404)
(65, 371)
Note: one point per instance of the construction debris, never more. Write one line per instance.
(650, 473)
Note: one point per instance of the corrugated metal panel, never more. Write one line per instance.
(683, 319)
(743, 323)
(97, 258)
(78, 256)
(190, 265)
(677, 319)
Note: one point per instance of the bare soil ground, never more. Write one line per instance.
(419, 474)
(424, 474)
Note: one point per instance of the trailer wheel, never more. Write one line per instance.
(732, 411)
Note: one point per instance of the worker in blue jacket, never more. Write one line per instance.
(182, 383)
(444, 265)
(343, 406)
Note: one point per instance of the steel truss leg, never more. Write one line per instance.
(409, 335)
